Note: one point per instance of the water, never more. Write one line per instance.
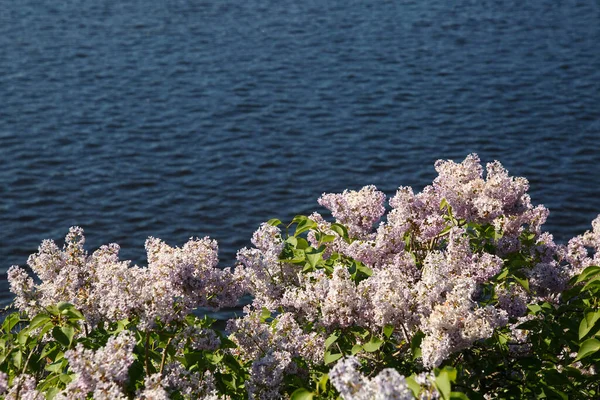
(190, 118)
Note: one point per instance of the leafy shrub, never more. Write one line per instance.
(454, 292)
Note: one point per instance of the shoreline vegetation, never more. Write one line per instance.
(455, 292)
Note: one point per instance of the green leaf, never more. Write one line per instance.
(458, 396)
(323, 382)
(65, 378)
(592, 285)
(529, 325)
(388, 330)
(23, 337)
(292, 240)
(588, 322)
(329, 358)
(274, 222)
(62, 337)
(357, 348)
(327, 238)
(534, 308)
(265, 314)
(443, 203)
(63, 305)
(340, 230)
(302, 244)
(588, 348)
(303, 224)
(413, 385)
(18, 359)
(523, 282)
(314, 257)
(331, 340)
(588, 273)
(52, 392)
(442, 383)
(415, 344)
(373, 345)
(38, 320)
(302, 394)
(364, 269)
(10, 321)
(56, 366)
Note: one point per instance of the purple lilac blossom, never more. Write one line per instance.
(352, 385)
(176, 281)
(359, 211)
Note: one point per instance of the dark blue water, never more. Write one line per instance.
(188, 118)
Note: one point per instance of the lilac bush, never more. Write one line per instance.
(453, 292)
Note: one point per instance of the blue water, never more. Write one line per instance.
(188, 118)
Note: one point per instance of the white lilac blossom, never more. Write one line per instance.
(24, 388)
(457, 323)
(153, 389)
(3, 382)
(420, 213)
(343, 306)
(266, 375)
(271, 349)
(195, 338)
(359, 211)
(260, 271)
(189, 384)
(352, 385)
(22, 285)
(176, 281)
(102, 372)
(389, 294)
(426, 274)
(255, 339)
(584, 250)
(428, 390)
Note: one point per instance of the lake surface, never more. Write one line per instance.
(189, 118)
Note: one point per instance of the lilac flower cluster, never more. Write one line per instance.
(451, 265)
(352, 385)
(359, 211)
(24, 387)
(176, 281)
(584, 250)
(102, 372)
(426, 274)
(271, 348)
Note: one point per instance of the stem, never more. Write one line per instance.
(28, 358)
(164, 355)
(146, 361)
(406, 335)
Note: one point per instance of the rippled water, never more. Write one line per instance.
(189, 118)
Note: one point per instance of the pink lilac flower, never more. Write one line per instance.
(102, 371)
(22, 286)
(343, 306)
(457, 323)
(352, 385)
(419, 214)
(359, 211)
(176, 281)
(3, 382)
(255, 339)
(189, 384)
(513, 299)
(24, 387)
(266, 375)
(390, 294)
(153, 389)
